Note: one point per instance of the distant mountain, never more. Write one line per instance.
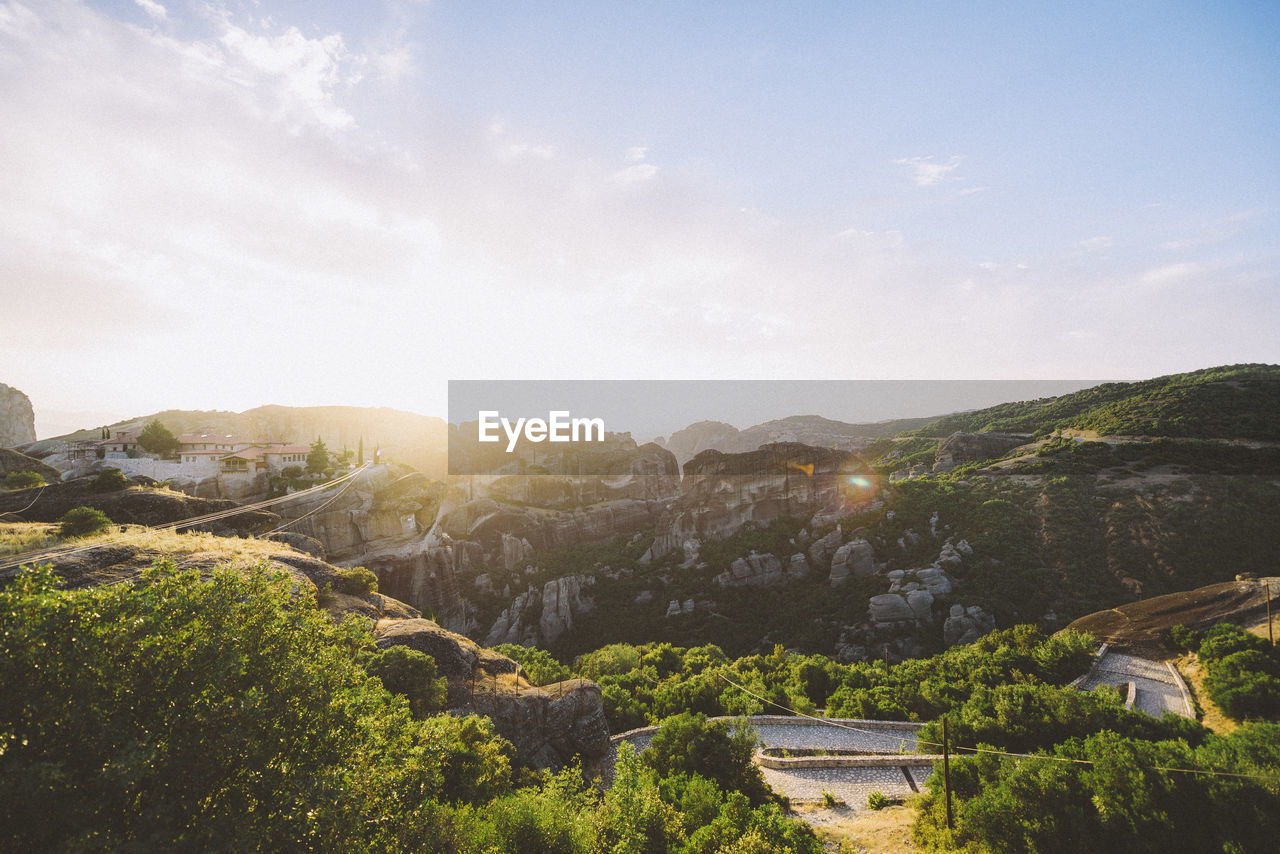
(419, 441)
(812, 430)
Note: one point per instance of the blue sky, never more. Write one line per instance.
(225, 204)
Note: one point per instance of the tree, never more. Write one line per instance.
(318, 459)
(360, 453)
(157, 438)
(222, 713)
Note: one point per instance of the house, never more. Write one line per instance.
(240, 455)
(120, 444)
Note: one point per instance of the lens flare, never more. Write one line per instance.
(857, 486)
(807, 468)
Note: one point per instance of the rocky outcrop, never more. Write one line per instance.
(382, 508)
(722, 492)
(823, 548)
(548, 726)
(13, 461)
(855, 557)
(538, 617)
(763, 570)
(17, 418)
(968, 447)
(133, 506)
(966, 625)
(493, 523)
(436, 578)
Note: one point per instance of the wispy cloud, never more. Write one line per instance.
(153, 9)
(1099, 242)
(929, 171)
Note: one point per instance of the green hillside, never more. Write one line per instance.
(1229, 402)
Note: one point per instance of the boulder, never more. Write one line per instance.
(822, 549)
(966, 625)
(755, 570)
(856, 557)
(889, 608)
(921, 604)
(797, 567)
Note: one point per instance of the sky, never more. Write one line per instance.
(220, 205)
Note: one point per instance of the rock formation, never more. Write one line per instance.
(967, 447)
(133, 506)
(539, 617)
(13, 461)
(855, 557)
(722, 492)
(549, 726)
(17, 418)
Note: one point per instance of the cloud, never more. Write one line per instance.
(156, 12)
(1099, 242)
(636, 154)
(1169, 274)
(929, 171)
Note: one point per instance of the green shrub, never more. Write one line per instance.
(356, 581)
(411, 674)
(108, 480)
(22, 480)
(538, 665)
(82, 522)
(691, 744)
(878, 800)
(222, 713)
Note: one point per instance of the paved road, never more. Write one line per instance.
(1158, 689)
(849, 785)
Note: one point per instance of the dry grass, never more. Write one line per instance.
(1193, 674)
(19, 537)
(886, 831)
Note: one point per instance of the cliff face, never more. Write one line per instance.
(722, 492)
(548, 726)
(17, 418)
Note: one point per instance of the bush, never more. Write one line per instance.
(292, 472)
(213, 714)
(109, 480)
(411, 674)
(538, 665)
(356, 581)
(878, 800)
(82, 522)
(22, 480)
(691, 744)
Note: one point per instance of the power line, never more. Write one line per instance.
(1001, 753)
(125, 536)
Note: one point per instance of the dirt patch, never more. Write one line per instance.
(886, 831)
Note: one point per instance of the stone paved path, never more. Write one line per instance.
(1158, 691)
(850, 786)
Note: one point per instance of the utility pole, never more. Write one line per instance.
(1270, 637)
(946, 770)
